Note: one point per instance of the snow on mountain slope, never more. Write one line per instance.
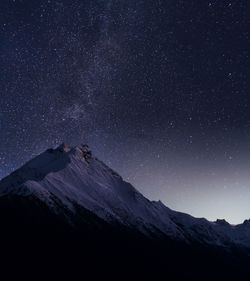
(74, 176)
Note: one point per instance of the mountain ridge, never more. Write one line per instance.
(73, 176)
(67, 208)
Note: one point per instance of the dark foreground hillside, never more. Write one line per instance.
(37, 243)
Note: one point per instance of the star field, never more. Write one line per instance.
(158, 89)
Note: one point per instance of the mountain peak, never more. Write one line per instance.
(86, 152)
(222, 222)
(246, 222)
(63, 148)
(81, 150)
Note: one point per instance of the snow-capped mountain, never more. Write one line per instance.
(66, 179)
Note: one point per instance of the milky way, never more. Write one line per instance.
(158, 89)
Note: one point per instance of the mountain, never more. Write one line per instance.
(67, 200)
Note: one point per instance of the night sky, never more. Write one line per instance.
(160, 90)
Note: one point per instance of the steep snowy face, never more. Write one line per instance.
(73, 177)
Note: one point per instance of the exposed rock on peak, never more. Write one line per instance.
(222, 222)
(63, 148)
(86, 152)
(246, 222)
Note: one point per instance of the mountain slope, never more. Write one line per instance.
(65, 208)
(66, 179)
